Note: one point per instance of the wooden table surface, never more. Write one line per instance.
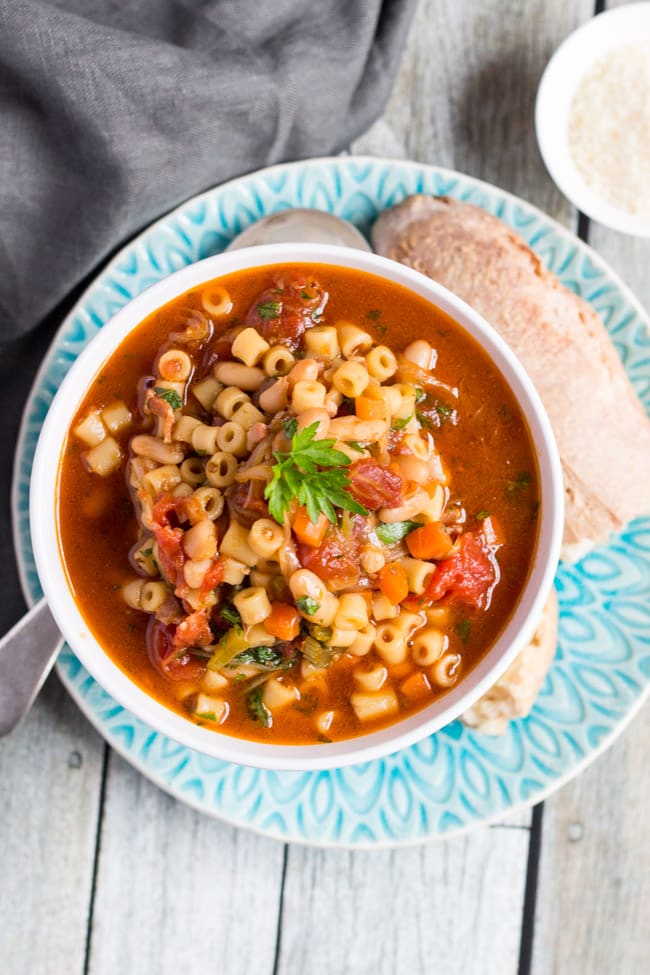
(102, 873)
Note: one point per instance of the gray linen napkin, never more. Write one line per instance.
(111, 113)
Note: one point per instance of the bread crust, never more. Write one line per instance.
(601, 429)
(514, 693)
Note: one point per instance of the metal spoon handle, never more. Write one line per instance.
(27, 653)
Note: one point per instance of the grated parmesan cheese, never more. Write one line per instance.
(609, 128)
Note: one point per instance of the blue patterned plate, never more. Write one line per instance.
(456, 778)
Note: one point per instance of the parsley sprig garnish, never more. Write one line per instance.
(315, 474)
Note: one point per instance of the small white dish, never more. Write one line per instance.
(43, 509)
(564, 72)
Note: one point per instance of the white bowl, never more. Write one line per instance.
(516, 634)
(563, 74)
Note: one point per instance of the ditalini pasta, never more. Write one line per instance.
(298, 504)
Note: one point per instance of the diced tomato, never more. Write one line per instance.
(171, 557)
(431, 541)
(283, 622)
(335, 561)
(193, 631)
(468, 576)
(308, 532)
(375, 486)
(393, 582)
(171, 661)
(284, 311)
(212, 578)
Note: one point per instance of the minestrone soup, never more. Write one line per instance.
(298, 504)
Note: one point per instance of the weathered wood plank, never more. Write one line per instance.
(450, 907)
(177, 891)
(593, 901)
(465, 94)
(50, 774)
(595, 854)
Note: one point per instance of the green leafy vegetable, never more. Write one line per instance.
(230, 615)
(171, 396)
(463, 629)
(270, 309)
(306, 295)
(391, 532)
(423, 420)
(257, 709)
(483, 514)
(419, 395)
(267, 657)
(401, 422)
(307, 605)
(314, 473)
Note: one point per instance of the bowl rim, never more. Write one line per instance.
(566, 68)
(245, 751)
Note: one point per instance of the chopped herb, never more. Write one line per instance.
(355, 445)
(270, 309)
(443, 410)
(170, 396)
(146, 552)
(314, 472)
(238, 678)
(290, 427)
(325, 740)
(419, 395)
(102, 379)
(380, 329)
(257, 709)
(521, 483)
(424, 420)
(307, 605)
(306, 295)
(230, 615)
(374, 314)
(463, 629)
(391, 532)
(483, 514)
(401, 422)
(534, 511)
(205, 715)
